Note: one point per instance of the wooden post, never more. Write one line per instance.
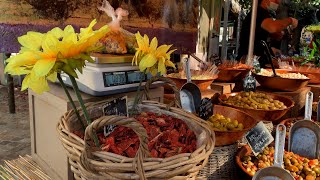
(10, 85)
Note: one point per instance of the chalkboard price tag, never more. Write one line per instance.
(258, 138)
(117, 107)
(249, 83)
(206, 108)
(215, 59)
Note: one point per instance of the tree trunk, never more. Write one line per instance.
(10, 85)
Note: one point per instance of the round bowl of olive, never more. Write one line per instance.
(229, 124)
(261, 106)
(300, 167)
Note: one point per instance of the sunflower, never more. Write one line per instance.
(150, 57)
(43, 55)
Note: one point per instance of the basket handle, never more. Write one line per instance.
(132, 123)
(171, 83)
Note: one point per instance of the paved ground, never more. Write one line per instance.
(14, 128)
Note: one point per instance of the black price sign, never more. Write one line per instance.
(258, 138)
(249, 83)
(206, 108)
(115, 107)
(215, 59)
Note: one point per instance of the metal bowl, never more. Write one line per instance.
(259, 114)
(202, 84)
(282, 84)
(232, 75)
(293, 120)
(230, 137)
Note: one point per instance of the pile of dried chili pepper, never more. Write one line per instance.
(168, 136)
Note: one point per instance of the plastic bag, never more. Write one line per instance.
(118, 40)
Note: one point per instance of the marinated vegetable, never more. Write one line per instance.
(299, 167)
(221, 123)
(254, 100)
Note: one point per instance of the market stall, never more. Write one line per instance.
(108, 112)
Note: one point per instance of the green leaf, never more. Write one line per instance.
(68, 70)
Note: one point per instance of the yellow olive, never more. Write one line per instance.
(316, 170)
(293, 168)
(216, 124)
(240, 126)
(310, 177)
(230, 126)
(294, 160)
(235, 123)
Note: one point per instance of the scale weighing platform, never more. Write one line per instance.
(110, 74)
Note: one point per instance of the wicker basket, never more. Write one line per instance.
(95, 164)
(221, 164)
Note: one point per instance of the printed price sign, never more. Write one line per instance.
(115, 107)
(205, 110)
(258, 138)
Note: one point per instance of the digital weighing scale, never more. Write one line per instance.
(110, 74)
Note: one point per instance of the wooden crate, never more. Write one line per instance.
(223, 88)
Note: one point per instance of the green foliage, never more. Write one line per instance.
(314, 51)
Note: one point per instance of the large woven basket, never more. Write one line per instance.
(221, 164)
(97, 164)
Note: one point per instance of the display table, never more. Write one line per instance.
(45, 112)
(224, 87)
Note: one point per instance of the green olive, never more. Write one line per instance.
(316, 170)
(246, 158)
(307, 169)
(312, 173)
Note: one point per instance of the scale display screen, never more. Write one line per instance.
(122, 78)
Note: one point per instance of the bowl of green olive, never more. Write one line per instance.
(300, 167)
(229, 124)
(261, 106)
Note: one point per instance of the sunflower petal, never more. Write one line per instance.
(161, 66)
(170, 64)
(68, 29)
(43, 67)
(49, 45)
(32, 40)
(57, 32)
(147, 61)
(25, 83)
(52, 77)
(38, 84)
(146, 40)
(154, 43)
(163, 49)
